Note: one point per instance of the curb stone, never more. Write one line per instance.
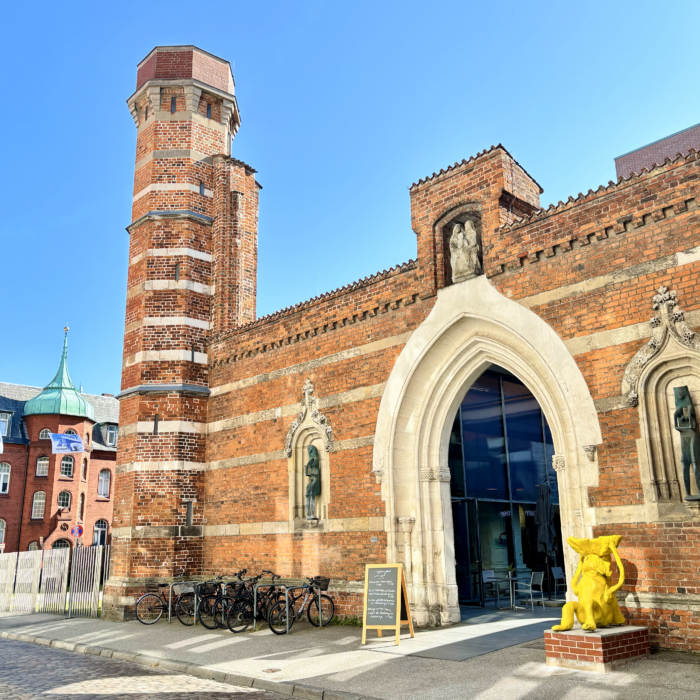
(297, 690)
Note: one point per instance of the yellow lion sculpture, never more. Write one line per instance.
(597, 605)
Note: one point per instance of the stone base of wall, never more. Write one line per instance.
(601, 651)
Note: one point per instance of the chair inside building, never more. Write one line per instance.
(500, 454)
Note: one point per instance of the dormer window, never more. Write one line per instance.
(111, 435)
(5, 424)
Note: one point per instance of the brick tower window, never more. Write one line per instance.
(103, 483)
(38, 505)
(67, 467)
(173, 104)
(45, 434)
(42, 466)
(2, 531)
(4, 478)
(64, 499)
(208, 111)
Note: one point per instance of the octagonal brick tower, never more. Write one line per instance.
(192, 276)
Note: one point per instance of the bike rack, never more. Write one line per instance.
(170, 598)
(301, 588)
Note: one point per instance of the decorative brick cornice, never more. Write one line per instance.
(378, 307)
(166, 214)
(164, 389)
(465, 163)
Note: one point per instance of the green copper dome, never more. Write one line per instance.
(60, 396)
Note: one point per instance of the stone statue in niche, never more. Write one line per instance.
(685, 422)
(313, 488)
(465, 252)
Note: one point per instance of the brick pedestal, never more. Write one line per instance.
(601, 651)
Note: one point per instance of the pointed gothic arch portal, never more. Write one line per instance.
(471, 328)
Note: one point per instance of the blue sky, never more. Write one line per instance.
(343, 104)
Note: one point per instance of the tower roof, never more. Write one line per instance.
(60, 396)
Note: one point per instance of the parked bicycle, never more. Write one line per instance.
(151, 606)
(283, 613)
(249, 605)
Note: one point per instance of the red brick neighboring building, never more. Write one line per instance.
(43, 496)
(656, 153)
(581, 315)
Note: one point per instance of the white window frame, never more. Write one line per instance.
(70, 431)
(45, 437)
(43, 460)
(67, 505)
(38, 505)
(33, 546)
(5, 420)
(111, 436)
(64, 466)
(65, 544)
(3, 528)
(98, 529)
(104, 476)
(5, 471)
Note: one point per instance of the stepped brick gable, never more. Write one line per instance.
(219, 407)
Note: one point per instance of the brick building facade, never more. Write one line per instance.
(590, 304)
(44, 495)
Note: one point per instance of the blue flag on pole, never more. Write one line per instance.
(62, 444)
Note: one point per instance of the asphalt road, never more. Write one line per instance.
(29, 671)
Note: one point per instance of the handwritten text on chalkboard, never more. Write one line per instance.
(382, 591)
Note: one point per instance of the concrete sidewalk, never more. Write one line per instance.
(311, 660)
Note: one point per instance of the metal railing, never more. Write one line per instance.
(54, 579)
(39, 581)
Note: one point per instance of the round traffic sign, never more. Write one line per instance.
(77, 531)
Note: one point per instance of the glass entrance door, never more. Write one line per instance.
(499, 455)
(467, 555)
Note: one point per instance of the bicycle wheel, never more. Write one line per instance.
(223, 605)
(277, 619)
(327, 610)
(149, 609)
(206, 612)
(240, 616)
(185, 609)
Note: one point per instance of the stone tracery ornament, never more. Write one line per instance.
(558, 463)
(668, 321)
(308, 407)
(429, 474)
(465, 252)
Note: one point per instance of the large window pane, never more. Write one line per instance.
(484, 443)
(526, 454)
(549, 453)
(527, 559)
(455, 461)
(496, 538)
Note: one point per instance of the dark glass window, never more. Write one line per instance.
(173, 104)
(457, 485)
(208, 111)
(526, 456)
(483, 439)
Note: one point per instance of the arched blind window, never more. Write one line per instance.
(38, 505)
(103, 483)
(42, 466)
(4, 477)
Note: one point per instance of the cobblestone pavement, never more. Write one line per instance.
(29, 671)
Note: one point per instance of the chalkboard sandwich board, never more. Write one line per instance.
(386, 600)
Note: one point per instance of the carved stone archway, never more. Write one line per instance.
(471, 327)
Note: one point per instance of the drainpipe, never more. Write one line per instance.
(24, 490)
